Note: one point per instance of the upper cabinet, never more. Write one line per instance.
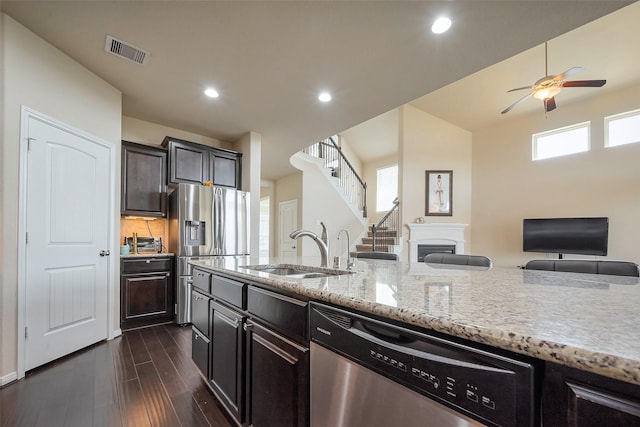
(144, 180)
(196, 164)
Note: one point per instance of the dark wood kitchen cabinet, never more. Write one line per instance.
(574, 398)
(258, 350)
(193, 163)
(143, 180)
(277, 373)
(277, 360)
(227, 358)
(146, 291)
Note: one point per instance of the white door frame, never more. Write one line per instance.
(112, 329)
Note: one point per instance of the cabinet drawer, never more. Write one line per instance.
(202, 280)
(286, 314)
(200, 312)
(229, 291)
(146, 265)
(200, 351)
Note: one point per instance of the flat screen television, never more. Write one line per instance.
(586, 236)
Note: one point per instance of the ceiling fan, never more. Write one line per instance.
(547, 87)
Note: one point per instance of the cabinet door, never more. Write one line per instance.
(189, 163)
(146, 299)
(200, 351)
(573, 398)
(225, 169)
(226, 358)
(144, 180)
(277, 379)
(200, 312)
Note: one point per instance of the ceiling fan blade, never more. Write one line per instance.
(520, 88)
(516, 103)
(569, 72)
(584, 83)
(549, 104)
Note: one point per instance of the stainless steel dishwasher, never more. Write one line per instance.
(365, 372)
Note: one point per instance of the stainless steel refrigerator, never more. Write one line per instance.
(204, 222)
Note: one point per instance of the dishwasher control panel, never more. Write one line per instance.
(492, 388)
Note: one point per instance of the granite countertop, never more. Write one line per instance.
(147, 255)
(585, 321)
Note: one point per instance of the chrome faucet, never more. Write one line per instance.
(349, 262)
(324, 249)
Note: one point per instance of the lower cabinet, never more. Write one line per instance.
(227, 355)
(251, 346)
(277, 372)
(574, 398)
(146, 291)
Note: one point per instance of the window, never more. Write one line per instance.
(622, 129)
(387, 187)
(560, 142)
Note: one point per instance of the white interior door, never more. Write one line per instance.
(288, 220)
(67, 224)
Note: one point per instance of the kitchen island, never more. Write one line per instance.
(586, 323)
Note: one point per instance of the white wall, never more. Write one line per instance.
(508, 186)
(324, 204)
(250, 145)
(39, 76)
(429, 143)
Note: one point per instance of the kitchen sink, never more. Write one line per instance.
(297, 271)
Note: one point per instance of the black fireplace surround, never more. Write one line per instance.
(424, 250)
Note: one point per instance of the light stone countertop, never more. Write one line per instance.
(589, 322)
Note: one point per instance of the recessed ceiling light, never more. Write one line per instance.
(441, 25)
(211, 93)
(324, 97)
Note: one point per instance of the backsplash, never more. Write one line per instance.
(158, 227)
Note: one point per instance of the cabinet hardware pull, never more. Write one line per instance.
(104, 253)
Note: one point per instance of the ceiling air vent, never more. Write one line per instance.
(126, 51)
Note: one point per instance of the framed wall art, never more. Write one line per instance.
(439, 197)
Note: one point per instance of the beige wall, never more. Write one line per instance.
(143, 132)
(39, 76)
(286, 188)
(429, 143)
(508, 186)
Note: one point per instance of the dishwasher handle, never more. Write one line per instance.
(384, 333)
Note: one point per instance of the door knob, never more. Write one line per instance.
(105, 253)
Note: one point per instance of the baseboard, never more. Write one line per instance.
(117, 333)
(9, 378)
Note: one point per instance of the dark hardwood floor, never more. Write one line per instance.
(144, 378)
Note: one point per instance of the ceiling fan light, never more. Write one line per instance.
(546, 93)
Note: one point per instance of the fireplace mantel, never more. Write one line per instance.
(442, 233)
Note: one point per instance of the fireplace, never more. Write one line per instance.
(424, 250)
(448, 237)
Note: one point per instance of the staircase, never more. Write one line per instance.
(384, 236)
(386, 241)
(353, 189)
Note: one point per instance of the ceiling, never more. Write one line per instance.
(606, 48)
(270, 59)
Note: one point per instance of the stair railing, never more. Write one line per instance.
(334, 159)
(390, 221)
